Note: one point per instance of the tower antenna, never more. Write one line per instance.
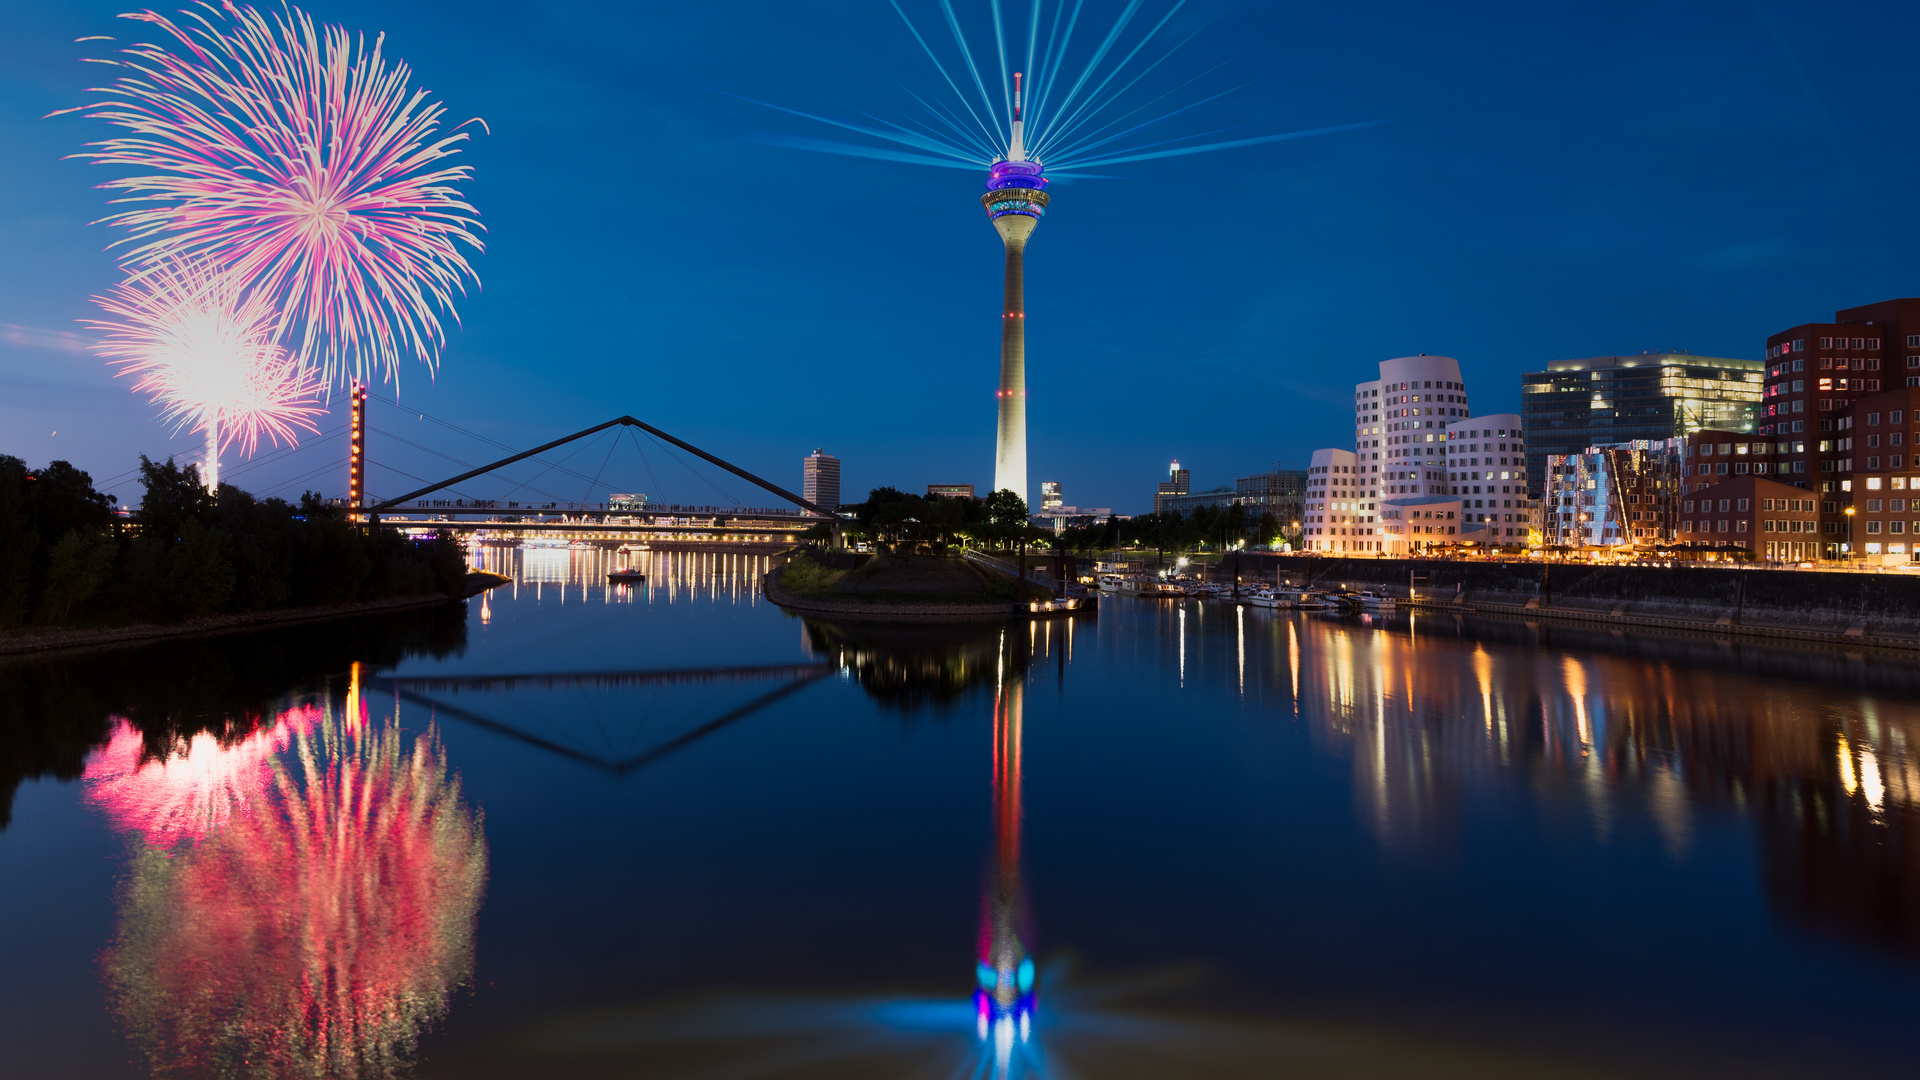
(1016, 151)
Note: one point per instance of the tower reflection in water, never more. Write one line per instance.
(910, 667)
(1003, 1000)
(302, 899)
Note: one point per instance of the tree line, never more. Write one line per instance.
(896, 518)
(65, 559)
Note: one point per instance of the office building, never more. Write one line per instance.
(1050, 495)
(1332, 518)
(1484, 460)
(1751, 515)
(1620, 496)
(1178, 482)
(1400, 424)
(820, 479)
(950, 491)
(1608, 400)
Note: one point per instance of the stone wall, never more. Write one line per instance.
(1833, 601)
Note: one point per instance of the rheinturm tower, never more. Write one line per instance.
(1016, 198)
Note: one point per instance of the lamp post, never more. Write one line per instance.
(1849, 552)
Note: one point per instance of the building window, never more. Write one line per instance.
(1873, 528)
(1873, 506)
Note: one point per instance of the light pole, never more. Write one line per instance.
(1849, 552)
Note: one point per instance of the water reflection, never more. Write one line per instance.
(304, 900)
(1628, 731)
(577, 573)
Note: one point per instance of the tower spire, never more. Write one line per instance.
(1015, 150)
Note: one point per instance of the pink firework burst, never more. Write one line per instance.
(204, 350)
(299, 158)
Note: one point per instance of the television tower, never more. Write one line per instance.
(1016, 197)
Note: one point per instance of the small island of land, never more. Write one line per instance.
(895, 587)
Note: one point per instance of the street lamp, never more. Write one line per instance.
(1849, 551)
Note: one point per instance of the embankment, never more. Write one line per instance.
(44, 642)
(1871, 608)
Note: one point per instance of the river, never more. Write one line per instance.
(668, 830)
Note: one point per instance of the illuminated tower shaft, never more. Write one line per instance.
(1016, 197)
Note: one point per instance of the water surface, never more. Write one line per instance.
(669, 830)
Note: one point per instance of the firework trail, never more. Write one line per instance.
(204, 350)
(1075, 116)
(318, 926)
(298, 158)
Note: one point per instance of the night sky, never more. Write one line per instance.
(1549, 181)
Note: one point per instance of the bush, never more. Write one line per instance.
(804, 577)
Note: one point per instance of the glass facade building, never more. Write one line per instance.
(1607, 400)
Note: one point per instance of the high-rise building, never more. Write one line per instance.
(1016, 198)
(1606, 400)
(1400, 425)
(1814, 371)
(1178, 482)
(820, 479)
(1050, 495)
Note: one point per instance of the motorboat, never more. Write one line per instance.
(1265, 598)
(1304, 600)
(626, 574)
(1369, 600)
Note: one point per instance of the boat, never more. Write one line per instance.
(1159, 588)
(1304, 600)
(1265, 598)
(626, 574)
(1373, 601)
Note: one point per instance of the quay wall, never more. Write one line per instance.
(1878, 604)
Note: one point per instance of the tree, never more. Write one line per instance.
(1006, 509)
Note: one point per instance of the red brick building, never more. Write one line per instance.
(1771, 520)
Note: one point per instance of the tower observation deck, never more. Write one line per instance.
(1016, 198)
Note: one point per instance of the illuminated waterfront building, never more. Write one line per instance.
(1607, 400)
(1485, 458)
(1619, 496)
(1332, 516)
(820, 479)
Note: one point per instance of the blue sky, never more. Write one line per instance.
(1550, 181)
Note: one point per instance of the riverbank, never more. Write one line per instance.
(40, 644)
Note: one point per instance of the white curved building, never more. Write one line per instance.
(1332, 518)
(1401, 422)
(1486, 468)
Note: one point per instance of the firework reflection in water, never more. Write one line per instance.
(304, 903)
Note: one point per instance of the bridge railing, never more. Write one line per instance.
(472, 506)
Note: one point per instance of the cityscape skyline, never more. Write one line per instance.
(1270, 306)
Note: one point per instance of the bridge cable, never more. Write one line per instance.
(451, 426)
(657, 485)
(613, 445)
(723, 492)
(455, 460)
(528, 483)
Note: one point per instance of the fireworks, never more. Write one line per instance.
(297, 158)
(204, 351)
(314, 910)
(1076, 115)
